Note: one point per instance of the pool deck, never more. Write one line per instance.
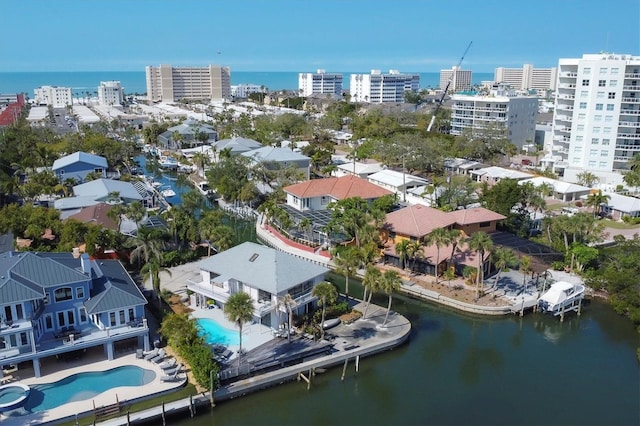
(68, 411)
(253, 334)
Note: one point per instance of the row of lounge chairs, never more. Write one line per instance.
(168, 365)
(220, 353)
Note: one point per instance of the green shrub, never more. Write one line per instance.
(557, 265)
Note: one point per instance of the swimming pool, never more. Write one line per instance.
(83, 386)
(214, 333)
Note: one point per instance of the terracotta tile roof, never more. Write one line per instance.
(417, 221)
(338, 188)
(462, 255)
(96, 214)
(475, 215)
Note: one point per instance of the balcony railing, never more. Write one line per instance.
(629, 112)
(629, 124)
(632, 75)
(629, 135)
(631, 100)
(569, 74)
(566, 96)
(632, 88)
(628, 147)
(212, 291)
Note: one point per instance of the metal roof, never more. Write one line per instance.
(112, 289)
(80, 157)
(101, 188)
(262, 267)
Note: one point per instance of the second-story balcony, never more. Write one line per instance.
(209, 289)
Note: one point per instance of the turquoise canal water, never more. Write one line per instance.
(214, 333)
(466, 370)
(83, 386)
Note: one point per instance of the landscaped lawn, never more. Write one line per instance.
(619, 225)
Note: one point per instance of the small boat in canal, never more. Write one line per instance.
(561, 297)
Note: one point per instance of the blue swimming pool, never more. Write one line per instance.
(214, 333)
(83, 386)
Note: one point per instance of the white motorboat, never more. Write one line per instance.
(168, 193)
(168, 163)
(561, 297)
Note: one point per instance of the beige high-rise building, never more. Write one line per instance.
(168, 84)
(460, 79)
(527, 77)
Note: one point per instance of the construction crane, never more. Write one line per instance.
(446, 89)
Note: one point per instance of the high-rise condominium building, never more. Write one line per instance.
(380, 88)
(168, 84)
(110, 93)
(516, 113)
(57, 97)
(460, 79)
(527, 77)
(320, 82)
(241, 91)
(596, 118)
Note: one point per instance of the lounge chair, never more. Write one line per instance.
(151, 354)
(168, 364)
(172, 378)
(159, 356)
(173, 371)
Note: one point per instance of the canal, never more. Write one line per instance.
(466, 370)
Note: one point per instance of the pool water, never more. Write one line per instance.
(10, 394)
(214, 333)
(83, 386)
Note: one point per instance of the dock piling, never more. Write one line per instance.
(357, 363)
(164, 422)
(344, 369)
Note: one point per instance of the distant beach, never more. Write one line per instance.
(135, 81)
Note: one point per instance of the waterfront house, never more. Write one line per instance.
(357, 168)
(78, 165)
(619, 206)
(461, 166)
(415, 223)
(395, 181)
(184, 135)
(492, 175)
(275, 158)
(236, 145)
(55, 303)
(263, 273)
(317, 194)
(560, 190)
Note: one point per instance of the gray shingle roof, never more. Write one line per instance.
(262, 267)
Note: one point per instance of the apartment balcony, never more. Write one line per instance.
(629, 124)
(629, 112)
(567, 86)
(631, 88)
(629, 135)
(566, 96)
(628, 147)
(631, 100)
(564, 107)
(564, 118)
(563, 129)
(632, 75)
(569, 74)
(559, 148)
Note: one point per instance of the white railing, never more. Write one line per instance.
(630, 123)
(630, 87)
(632, 75)
(631, 100)
(629, 112)
(629, 135)
(210, 290)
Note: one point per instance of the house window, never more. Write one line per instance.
(83, 315)
(605, 141)
(23, 339)
(592, 163)
(603, 164)
(603, 70)
(324, 200)
(584, 94)
(583, 105)
(579, 138)
(593, 152)
(48, 322)
(577, 150)
(600, 95)
(599, 107)
(597, 118)
(612, 95)
(79, 292)
(485, 224)
(63, 294)
(122, 318)
(604, 153)
(112, 319)
(595, 141)
(132, 315)
(607, 129)
(610, 107)
(580, 127)
(585, 82)
(582, 116)
(98, 170)
(608, 119)
(596, 130)
(614, 71)
(46, 298)
(613, 83)
(602, 83)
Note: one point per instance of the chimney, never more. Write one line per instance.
(85, 263)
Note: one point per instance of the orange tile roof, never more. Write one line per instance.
(417, 221)
(475, 215)
(338, 188)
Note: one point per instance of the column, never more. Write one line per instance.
(110, 351)
(36, 367)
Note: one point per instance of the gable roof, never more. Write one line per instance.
(262, 267)
(112, 288)
(495, 172)
(397, 179)
(101, 188)
(80, 157)
(361, 168)
(559, 186)
(275, 154)
(417, 221)
(338, 188)
(622, 203)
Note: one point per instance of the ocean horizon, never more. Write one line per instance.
(134, 82)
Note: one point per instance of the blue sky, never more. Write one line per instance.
(303, 35)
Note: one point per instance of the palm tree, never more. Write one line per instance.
(371, 283)
(455, 236)
(402, 250)
(390, 283)
(414, 251)
(148, 244)
(449, 274)
(347, 262)
(151, 271)
(481, 243)
(545, 189)
(239, 310)
(326, 293)
(439, 237)
(596, 200)
(288, 303)
(503, 259)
